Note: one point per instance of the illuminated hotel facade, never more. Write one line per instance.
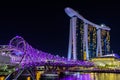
(86, 39)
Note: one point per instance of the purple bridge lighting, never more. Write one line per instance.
(20, 54)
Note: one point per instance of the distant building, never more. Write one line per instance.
(110, 61)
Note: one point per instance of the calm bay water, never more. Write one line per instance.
(88, 76)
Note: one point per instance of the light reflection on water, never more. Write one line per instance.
(93, 76)
(78, 76)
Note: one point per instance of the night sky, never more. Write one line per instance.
(45, 26)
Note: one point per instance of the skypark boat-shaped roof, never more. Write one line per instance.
(71, 13)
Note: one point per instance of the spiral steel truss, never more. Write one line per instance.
(19, 56)
(32, 57)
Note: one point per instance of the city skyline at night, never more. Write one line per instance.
(46, 26)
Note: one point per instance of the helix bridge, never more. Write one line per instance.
(18, 56)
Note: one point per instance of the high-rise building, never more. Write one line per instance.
(86, 39)
(92, 40)
(105, 37)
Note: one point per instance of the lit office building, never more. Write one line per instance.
(92, 41)
(105, 37)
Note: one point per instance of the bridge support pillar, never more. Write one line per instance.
(19, 73)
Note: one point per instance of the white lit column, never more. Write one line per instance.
(99, 45)
(72, 53)
(85, 41)
(70, 41)
(74, 21)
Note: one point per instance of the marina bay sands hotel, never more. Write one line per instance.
(86, 39)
